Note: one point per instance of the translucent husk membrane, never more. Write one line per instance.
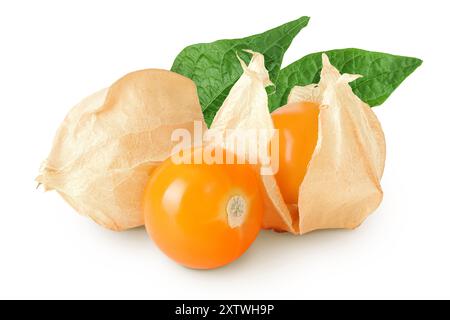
(342, 184)
(245, 107)
(109, 143)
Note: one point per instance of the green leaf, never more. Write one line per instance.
(214, 66)
(382, 74)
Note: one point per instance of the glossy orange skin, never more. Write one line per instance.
(298, 130)
(186, 216)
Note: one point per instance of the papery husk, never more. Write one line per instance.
(342, 184)
(109, 144)
(246, 108)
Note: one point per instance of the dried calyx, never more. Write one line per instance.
(108, 144)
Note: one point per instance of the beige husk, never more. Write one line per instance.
(108, 144)
(342, 184)
(246, 105)
(244, 109)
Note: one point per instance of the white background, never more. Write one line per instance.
(53, 53)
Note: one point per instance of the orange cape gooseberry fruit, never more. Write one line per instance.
(297, 125)
(203, 216)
